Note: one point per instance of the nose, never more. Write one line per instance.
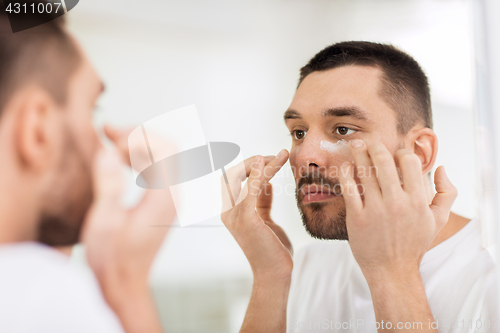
(309, 155)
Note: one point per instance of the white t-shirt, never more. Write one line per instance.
(40, 291)
(330, 293)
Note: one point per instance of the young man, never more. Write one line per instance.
(362, 150)
(57, 180)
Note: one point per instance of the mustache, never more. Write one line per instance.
(315, 178)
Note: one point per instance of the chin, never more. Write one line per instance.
(55, 231)
(324, 220)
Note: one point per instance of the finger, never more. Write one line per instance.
(107, 187)
(365, 170)
(104, 214)
(385, 169)
(265, 201)
(243, 194)
(255, 182)
(242, 172)
(411, 171)
(157, 206)
(444, 198)
(233, 178)
(119, 137)
(115, 134)
(350, 192)
(107, 178)
(275, 165)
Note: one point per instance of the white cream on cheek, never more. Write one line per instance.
(339, 146)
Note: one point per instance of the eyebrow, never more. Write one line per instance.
(291, 114)
(351, 111)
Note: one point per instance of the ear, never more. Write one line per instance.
(36, 130)
(425, 146)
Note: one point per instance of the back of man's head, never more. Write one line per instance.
(46, 153)
(44, 55)
(405, 87)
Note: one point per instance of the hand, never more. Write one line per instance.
(391, 227)
(121, 243)
(263, 242)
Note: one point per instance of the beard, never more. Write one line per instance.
(318, 221)
(67, 201)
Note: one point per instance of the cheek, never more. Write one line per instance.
(86, 137)
(293, 162)
(91, 144)
(338, 152)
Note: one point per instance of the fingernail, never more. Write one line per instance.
(281, 153)
(345, 165)
(357, 143)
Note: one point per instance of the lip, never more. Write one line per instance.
(316, 193)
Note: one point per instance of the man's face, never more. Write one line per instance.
(70, 194)
(329, 106)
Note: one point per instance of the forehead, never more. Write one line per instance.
(348, 86)
(85, 78)
(86, 68)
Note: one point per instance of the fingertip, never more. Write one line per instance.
(443, 182)
(357, 143)
(110, 131)
(282, 153)
(440, 174)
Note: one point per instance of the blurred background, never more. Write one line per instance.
(238, 61)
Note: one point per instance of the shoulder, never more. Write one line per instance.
(461, 277)
(39, 284)
(462, 254)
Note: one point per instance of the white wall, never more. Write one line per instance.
(238, 62)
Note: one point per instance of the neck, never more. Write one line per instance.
(18, 216)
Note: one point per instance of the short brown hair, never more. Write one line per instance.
(45, 55)
(404, 84)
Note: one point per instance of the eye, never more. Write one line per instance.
(299, 134)
(342, 130)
